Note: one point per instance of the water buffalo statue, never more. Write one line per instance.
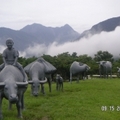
(118, 71)
(59, 82)
(77, 68)
(39, 72)
(105, 68)
(12, 88)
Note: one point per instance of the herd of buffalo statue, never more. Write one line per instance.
(12, 86)
(14, 79)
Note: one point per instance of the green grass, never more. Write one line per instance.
(78, 101)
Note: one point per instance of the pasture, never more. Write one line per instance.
(94, 99)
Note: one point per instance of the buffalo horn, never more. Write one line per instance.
(30, 82)
(43, 81)
(2, 84)
(22, 83)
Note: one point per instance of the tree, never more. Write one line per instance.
(84, 58)
(103, 55)
(22, 61)
(74, 54)
(29, 60)
(50, 59)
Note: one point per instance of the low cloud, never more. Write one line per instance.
(34, 50)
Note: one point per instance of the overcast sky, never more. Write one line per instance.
(79, 14)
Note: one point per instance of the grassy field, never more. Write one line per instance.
(94, 99)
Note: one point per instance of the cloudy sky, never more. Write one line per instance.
(79, 14)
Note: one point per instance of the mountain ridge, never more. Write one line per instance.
(104, 26)
(58, 34)
(40, 34)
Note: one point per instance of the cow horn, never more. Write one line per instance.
(30, 82)
(43, 81)
(2, 84)
(22, 83)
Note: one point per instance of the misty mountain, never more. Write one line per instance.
(21, 39)
(48, 35)
(106, 26)
(37, 33)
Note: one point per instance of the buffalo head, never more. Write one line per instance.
(10, 89)
(35, 85)
(87, 68)
(118, 69)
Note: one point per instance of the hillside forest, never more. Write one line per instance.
(63, 62)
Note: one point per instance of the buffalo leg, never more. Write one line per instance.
(70, 77)
(22, 102)
(49, 83)
(19, 105)
(110, 74)
(42, 88)
(78, 77)
(60, 86)
(57, 84)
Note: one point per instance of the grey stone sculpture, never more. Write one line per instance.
(105, 68)
(38, 71)
(59, 82)
(118, 71)
(77, 68)
(10, 56)
(12, 87)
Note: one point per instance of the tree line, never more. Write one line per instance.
(63, 61)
